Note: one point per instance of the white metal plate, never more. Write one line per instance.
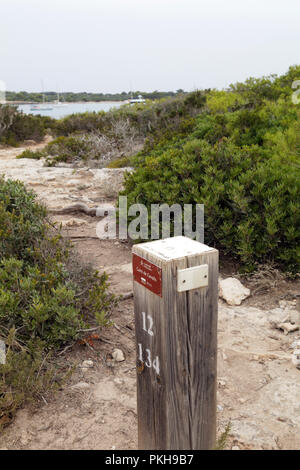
(192, 278)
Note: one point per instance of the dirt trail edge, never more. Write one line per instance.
(258, 386)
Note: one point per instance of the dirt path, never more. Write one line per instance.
(258, 387)
(10, 153)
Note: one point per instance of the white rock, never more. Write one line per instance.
(296, 344)
(118, 355)
(87, 364)
(296, 358)
(233, 291)
(80, 386)
(235, 448)
(73, 222)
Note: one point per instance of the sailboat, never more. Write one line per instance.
(42, 107)
(59, 104)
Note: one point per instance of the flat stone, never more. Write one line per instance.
(80, 386)
(233, 291)
(74, 222)
(87, 364)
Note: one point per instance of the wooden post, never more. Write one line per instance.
(176, 312)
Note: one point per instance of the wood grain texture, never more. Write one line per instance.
(177, 409)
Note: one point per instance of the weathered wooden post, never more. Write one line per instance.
(176, 308)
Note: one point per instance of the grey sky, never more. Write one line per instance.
(113, 45)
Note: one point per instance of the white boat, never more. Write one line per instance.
(59, 104)
(42, 107)
(139, 99)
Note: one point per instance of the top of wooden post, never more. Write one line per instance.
(174, 248)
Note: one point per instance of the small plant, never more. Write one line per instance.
(223, 439)
(35, 155)
(120, 163)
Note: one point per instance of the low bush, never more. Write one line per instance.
(46, 297)
(15, 126)
(120, 162)
(34, 154)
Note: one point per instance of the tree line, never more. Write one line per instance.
(85, 96)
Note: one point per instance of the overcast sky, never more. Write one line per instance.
(116, 45)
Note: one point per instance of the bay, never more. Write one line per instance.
(60, 111)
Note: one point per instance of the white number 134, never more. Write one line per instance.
(148, 362)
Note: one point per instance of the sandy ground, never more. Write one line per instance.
(258, 386)
(9, 153)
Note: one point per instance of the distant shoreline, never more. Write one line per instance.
(66, 102)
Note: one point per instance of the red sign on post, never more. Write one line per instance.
(147, 274)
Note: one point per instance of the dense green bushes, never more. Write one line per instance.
(46, 296)
(39, 279)
(120, 133)
(15, 127)
(147, 119)
(242, 161)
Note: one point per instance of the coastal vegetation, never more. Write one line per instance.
(241, 159)
(47, 299)
(236, 151)
(15, 127)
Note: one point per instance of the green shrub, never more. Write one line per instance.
(149, 118)
(15, 126)
(119, 163)
(27, 376)
(46, 297)
(71, 148)
(35, 155)
(241, 159)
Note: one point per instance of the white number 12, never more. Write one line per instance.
(149, 329)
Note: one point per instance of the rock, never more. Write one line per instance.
(235, 448)
(118, 355)
(80, 386)
(233, 291)
(87, 364)
(72, 183)
(222, 383)
(296, 358)
(287, 327)
(296, 344)
(285, 318)
(73, 222)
